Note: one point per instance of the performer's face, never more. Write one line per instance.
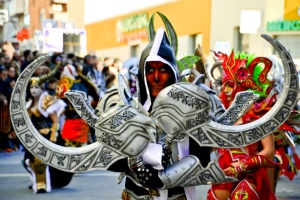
(228, 88)
(35, 90)
(158, 75)
(3, 75)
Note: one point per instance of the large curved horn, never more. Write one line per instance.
(240, 105)
(215, 65)
(45, 77)
(171, 32)
(187, 107)
(124, 90)
(91, 157)
(201, 65)
(151, 30)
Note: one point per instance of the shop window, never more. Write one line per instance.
(291, 43)
(240, 41)
(134, 51)
(196, 39)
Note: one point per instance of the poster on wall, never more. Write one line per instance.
(62, 40)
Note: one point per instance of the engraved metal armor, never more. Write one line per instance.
(175, 106)
(183, 173)
(126, 129)
(240, 105)
(120, 126)
(189, 172)
(172, 110)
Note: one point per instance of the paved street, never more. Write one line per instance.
(97, 185)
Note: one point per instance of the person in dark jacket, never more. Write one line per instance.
(28, 57)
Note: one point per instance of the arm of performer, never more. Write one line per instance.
(262, 159)
(55, 126)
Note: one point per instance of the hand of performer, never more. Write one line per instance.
(148, 177)
(166, 157)
(292, 167)
(53, 138)
(231, 171)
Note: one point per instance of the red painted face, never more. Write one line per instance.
(158, 74)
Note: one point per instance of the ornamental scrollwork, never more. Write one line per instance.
(105, 156)
(15, 104)
(187, 99)
(42, 151)
(28, 138)
(19, 121)
(110, 140)
(116, 120)
(76, 159)
(234, 139)
(60, 161)
(254, 134)
(200, 119)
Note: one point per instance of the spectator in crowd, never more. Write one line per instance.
(28, 58)
(5, 123)
(117, 64)
(11, 73)
(35, 55)
(10, 81)
(51, 86)
(16, 62)
(71, 59)
(7, 61)
(56, 59)
(110, 73)
(3, 85)
(8, 49)
(97, 77)
(2, 58)
(87, 64)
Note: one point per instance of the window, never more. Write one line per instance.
(240, 41)
(134, 51)
(196, 39)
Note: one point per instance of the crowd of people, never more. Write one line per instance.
(50, 111)
(100, 74)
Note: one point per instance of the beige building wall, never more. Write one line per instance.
(222, 18)
(123, 52)
(188, 17)
(76, 12)
(226, 16)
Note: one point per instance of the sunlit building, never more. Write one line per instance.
(214, 24)
(49, 25)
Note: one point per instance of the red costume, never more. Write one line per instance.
(244, 72)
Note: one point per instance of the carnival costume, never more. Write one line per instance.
(126, 132)
(285, 153)
(39, 113)
(243, 72)
(75, 131)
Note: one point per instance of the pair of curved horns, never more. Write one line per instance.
(170, 31)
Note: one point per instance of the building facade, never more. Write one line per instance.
(120, 37)
(35, 16)
(214, 24)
